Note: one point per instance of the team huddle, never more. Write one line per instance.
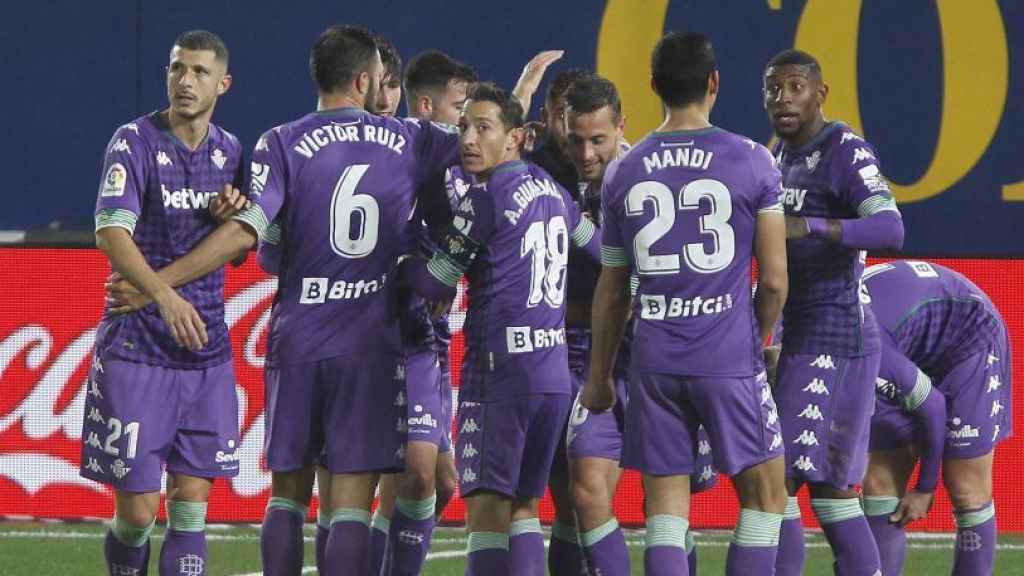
(614, 322)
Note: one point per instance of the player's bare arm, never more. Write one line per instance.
(532, 74)
(232, 244)
(608, 322)
(181, 318)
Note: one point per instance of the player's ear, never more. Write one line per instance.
(621, 128)
(424, 106)
(822, 92)
(714, 81)
(514, 139)
(224, 84)
(362, 83)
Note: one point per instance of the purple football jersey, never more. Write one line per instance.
(511, 235)
(342, 184)
(680, 209)
(935, 316)
(835, 175)
(160, 191)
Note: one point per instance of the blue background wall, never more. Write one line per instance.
(74, 71)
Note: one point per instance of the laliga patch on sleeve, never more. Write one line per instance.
(873, 179)
(114, 181)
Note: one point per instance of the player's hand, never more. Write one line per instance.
(771, 363)
(598, 396)
(533, 73)
(796, 228)
(228, 203)
(184, 323)
(122, 296)
(914, 506)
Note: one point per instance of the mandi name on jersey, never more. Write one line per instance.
(677, 155)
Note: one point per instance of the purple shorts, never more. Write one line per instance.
(507, 446)
(978, 407)
(139, 418)
(346, 413)
(825, 405)
(592, 435)
(666, 411)
(447, 401)
(428, 419)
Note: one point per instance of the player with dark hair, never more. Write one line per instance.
(686, 210)
(161, 390)
(550, 152)
(436, 85)
(510, 235)
(944, 395)
(593, 127)
(838, 205)
(335, 369)
(390, 94)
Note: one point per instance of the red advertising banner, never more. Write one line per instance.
(52, 302)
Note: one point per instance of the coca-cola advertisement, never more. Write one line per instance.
(52, 303)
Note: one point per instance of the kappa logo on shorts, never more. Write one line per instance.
(804, 463)
(817, 386)
(400, 399)
(824, 361)
(994, 383)
(401, 426)
(995, 433)
(997, 407)
(811, 412)
(773, 417)
(776, 442)
(93, 441)
(400, 453)
(766, 395)
(469, 426)
(706, 474)
(469, 451)
(94, 388)
(992, 358)
(95, 416)
(704, 448)
(94, 466)
(468, 476)
(807, 438)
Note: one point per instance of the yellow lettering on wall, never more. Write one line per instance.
(976, 75)
(629, 31)
(1014, 192)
